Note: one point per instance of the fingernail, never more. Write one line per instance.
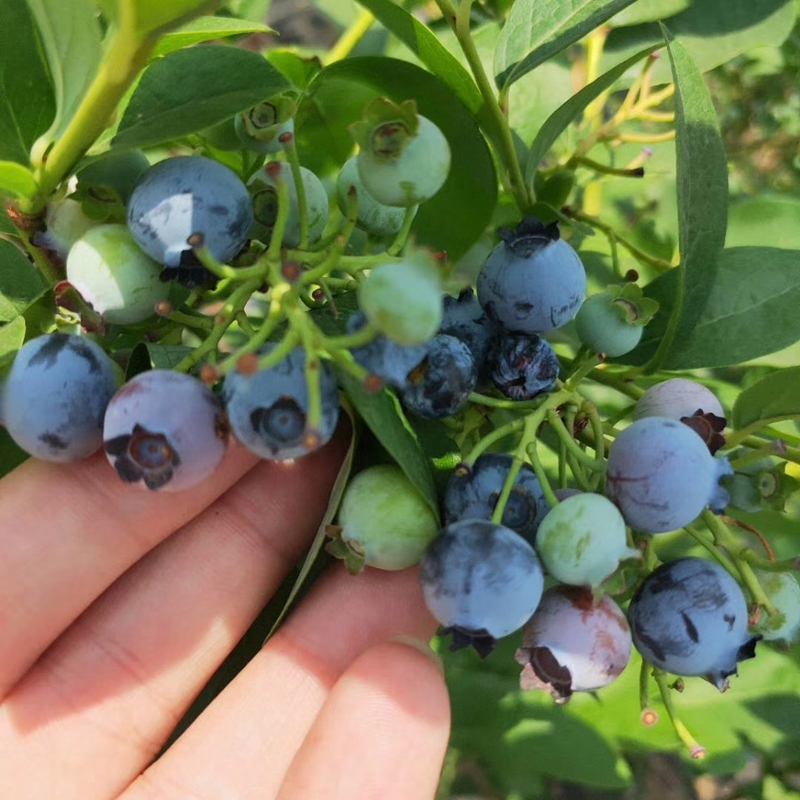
(422, 646)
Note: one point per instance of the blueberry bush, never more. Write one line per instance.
(543, 254)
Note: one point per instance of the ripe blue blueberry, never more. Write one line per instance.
(441, 384)
(382, 357)
(268, 410)
(115, 276)
(185, 200)
(373, 217)
(533, 281)
(691, 403)
(661, 475)
(464, 318)
(582, 540)
(384, 521)
(164, 430)
(481, 581)
(689, 617)
(522, 366)
(55, 396)
(265, 204)
(474, 492)
(573, 643)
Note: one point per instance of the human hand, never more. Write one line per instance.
(119, 605)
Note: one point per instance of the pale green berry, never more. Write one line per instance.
(384, 518)
(414, 175)
(403, 300)
(582, 540)
(783, 591)
(115, 276)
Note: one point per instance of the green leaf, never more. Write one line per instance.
(16, 179)
(26, 94)
(298, 70)
(713, 32)
(189, 90)
(11, 454)
(148, 17)
(566, 114)
(6, 225)
(385, 418)
(203, 30)
(71, 36)
(648, 11)
(536, 30)
(456, 216)
(12, 337)
(330, 512)
(702, 186)
(428, 49)
(750, 311)
(773, 398)
(20, 282)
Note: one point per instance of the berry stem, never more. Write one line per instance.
(205, 257)
(290, 148)
(724, 538)
(604, 169)
(498, 131)
(712, 551)
(573, 448)
(402, 235)
(544, 481)
(695, 750)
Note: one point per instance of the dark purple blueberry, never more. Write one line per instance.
(268, 410)
(523, 366)
(473, 493)
(382, 357)
(55, 396)
(689, 617)
(441, 384)
(464, 318)
(165, 430)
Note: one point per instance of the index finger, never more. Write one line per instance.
(67, 532)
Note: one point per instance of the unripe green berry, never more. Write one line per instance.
(385, 519)
(374, 217)
(602, 327)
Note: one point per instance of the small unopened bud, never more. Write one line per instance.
(209, 374)
(247, 364)
(164, 308)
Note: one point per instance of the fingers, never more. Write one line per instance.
(67, 532)
(100, 703)
(243, 744)
(382, 732)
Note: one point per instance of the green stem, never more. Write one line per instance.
(125, 56)
(460, 23)
(573, 448)
(541, 475)
(695, 750)
(604, 169)
(402, 235)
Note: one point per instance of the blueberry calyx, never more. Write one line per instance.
(708, 427)
(530, 235)
(143, 455)
(480, 640)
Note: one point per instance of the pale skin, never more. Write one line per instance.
(118, 604)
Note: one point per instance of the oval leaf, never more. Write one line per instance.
(193, 89)
(773, 398)
(203, 30)
(566, 114)
(26, 94)
(457, 215)
(383, 415)
(536, 30)
(20, 282)
(70, 33)
(750, 311)
(16, 179)
(702, 176)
